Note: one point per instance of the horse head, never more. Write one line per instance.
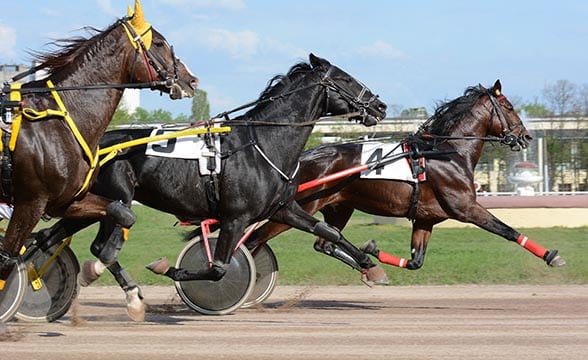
(505, 122)
(347, 95)
(158, 61)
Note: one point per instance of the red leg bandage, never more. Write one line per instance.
(391, 259)
(536, 249)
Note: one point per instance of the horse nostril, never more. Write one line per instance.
(383, 107)
(194, 83)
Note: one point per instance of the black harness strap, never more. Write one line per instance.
(6, 168)
(212, 187)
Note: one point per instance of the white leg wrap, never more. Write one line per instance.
(99, 267)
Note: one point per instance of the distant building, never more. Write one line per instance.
(131, 100)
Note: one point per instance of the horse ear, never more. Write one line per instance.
(482, 88)
(318, 62)
(497, 88)
(138, 23)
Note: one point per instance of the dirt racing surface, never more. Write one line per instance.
(353, 322)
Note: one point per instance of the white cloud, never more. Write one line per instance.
(382, 49)
(237, 44)
(106, 7)
(7, 41)
(224, 4)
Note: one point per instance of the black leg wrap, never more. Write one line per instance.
(107, 249)
(122, 277)
(121, 214)
(323, 230)
(333, 250)
(215, 273)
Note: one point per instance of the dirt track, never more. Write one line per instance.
(444, 322)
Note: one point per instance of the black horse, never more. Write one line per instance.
(259, 175)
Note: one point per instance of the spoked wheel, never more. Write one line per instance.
(266, 275)
(49, 296)
(215, 297)
(12, 294)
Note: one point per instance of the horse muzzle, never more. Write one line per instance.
(177, 91)
(371, 118)
(517, 143)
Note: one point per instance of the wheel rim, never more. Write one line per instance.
(216, 297)
(59, 287)
(266, 277)
(13, 293)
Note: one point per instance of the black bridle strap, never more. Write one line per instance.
(144, 85)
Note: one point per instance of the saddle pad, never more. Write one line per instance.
(190, 147)
(396, 170)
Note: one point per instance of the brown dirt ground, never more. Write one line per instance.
(351, 322)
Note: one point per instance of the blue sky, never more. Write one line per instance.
(412, 53)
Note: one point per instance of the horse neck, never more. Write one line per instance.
(285, 140)
(92, 110)
(475, 125)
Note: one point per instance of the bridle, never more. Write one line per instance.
(327, 82)
(152, 60)
(507, 138)
(355, 101)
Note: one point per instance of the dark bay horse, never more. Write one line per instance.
(259, 173)
(61, 119)
(458, 129)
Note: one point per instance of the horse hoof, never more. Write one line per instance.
(135, 305)
(553, 259)
(377, 276)
(557, 261)
(370, 247)
(159, 266)
(88, 273)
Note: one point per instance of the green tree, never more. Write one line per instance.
(200, 106)
(535, 109)
(121, 116)
(561, 96)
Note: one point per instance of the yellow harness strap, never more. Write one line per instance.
(92, 158)
(16, 115)
(111, 151)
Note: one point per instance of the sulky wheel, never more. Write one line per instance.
(12, 294)
(215, 297)
(50, 296)
(266, 277)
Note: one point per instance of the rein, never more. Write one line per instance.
(143, 85)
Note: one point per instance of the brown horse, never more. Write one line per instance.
(60, 120)
(453, 138)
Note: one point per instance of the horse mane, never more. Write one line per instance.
(68, 49)
(278, 83)
(449, 114)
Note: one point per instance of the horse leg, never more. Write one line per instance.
(421, 232)
(338, 216)
(230, 232)
(134, 295)
(296, 217)
(482, 218)
(116, 220)
(23, 220)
